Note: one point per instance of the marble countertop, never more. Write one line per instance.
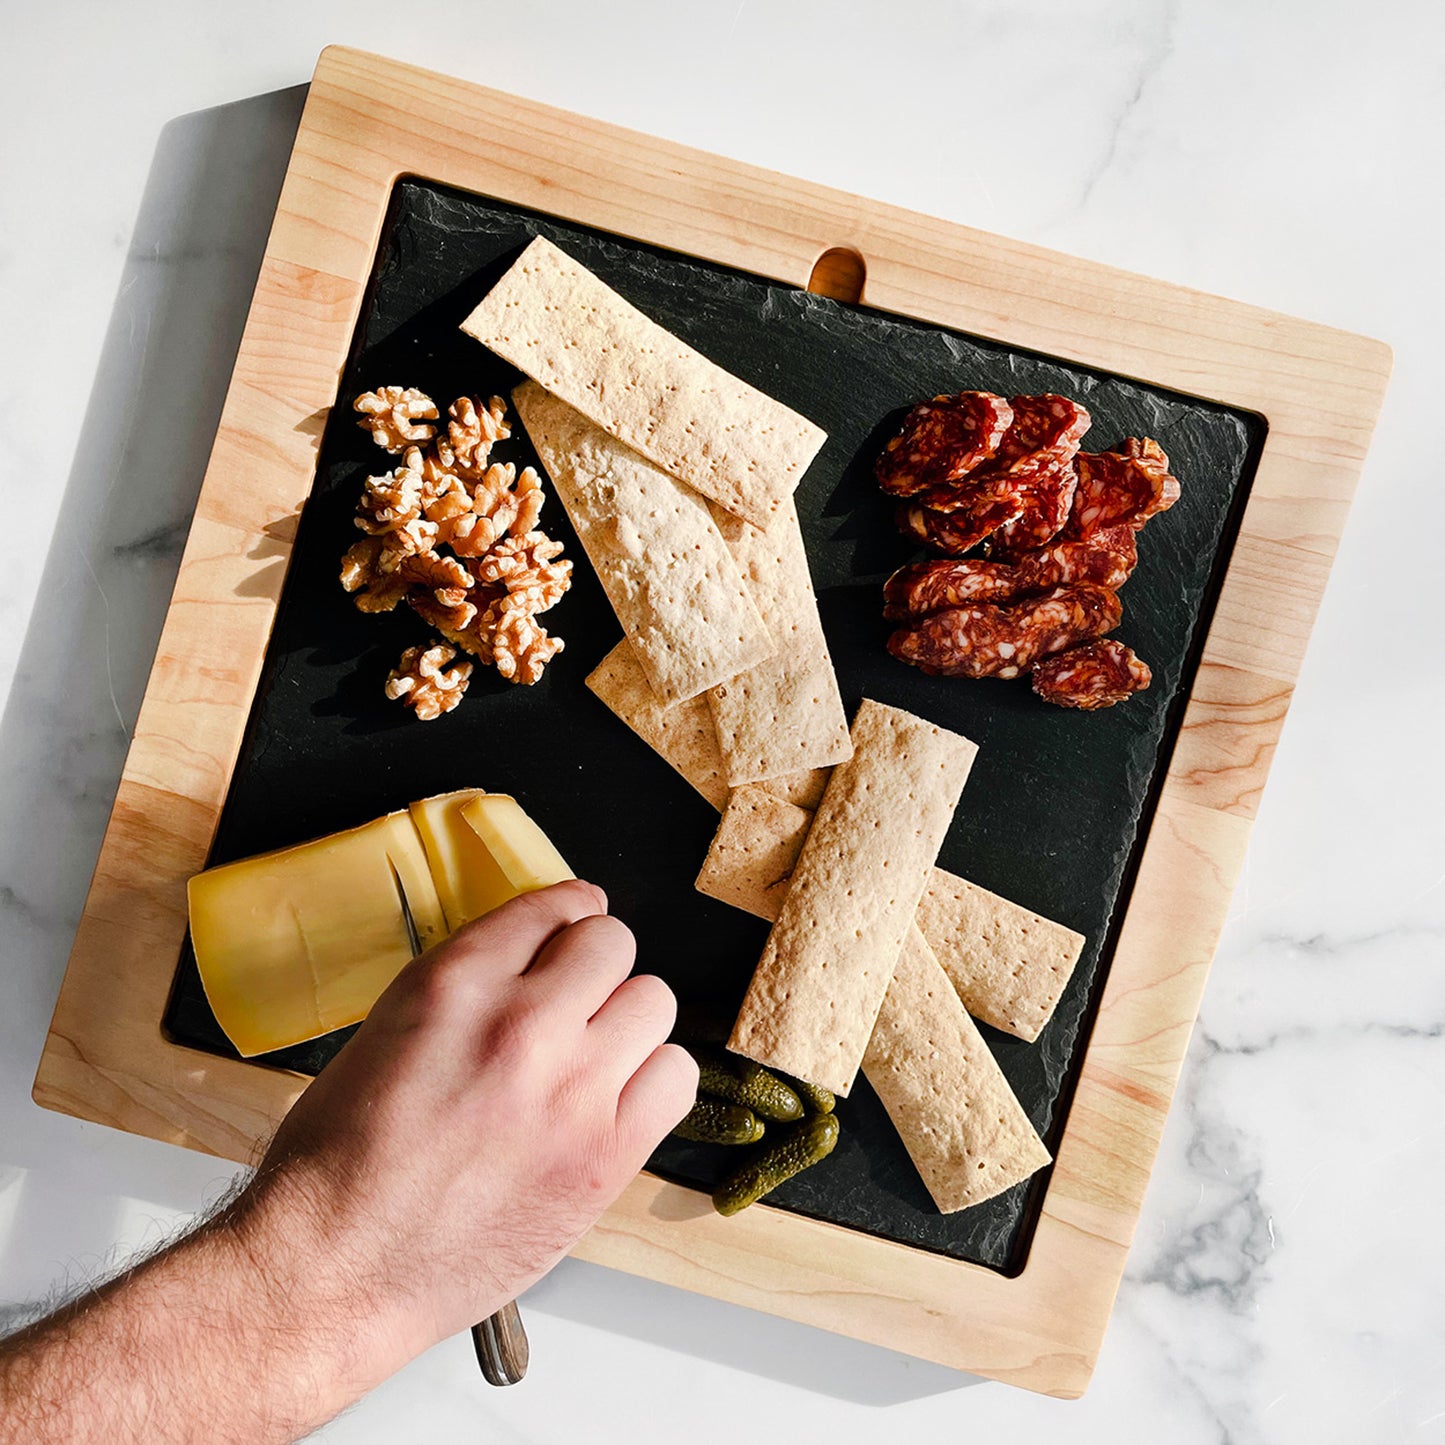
(1286, 1282)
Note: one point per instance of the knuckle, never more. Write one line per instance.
(575, 897)
(544, 911)
(608, 936)
(445, 984)
(652, 1000)
(513, 1035)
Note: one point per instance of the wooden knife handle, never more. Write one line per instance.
(502, 1349)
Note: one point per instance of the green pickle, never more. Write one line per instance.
(797, 1149)
(740, 1081)
(712, 1121)
(818, 1099)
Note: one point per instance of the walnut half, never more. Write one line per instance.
(396, 416)
(425, 683)
(521, 646)
(473, 429)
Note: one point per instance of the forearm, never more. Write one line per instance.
(209, 1340)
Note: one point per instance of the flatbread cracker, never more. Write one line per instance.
(666, 570)
(817, 989)
(784, 713)
(752, 856)
(1008, 965)
(804, 789)
(683, 734)
(924, 1049)
(927, 1062)
(569, 330)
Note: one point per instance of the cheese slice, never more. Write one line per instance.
(468, 880)
(296, 943)
(520, 849)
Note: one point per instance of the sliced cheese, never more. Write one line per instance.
(296, 943)
(468, 880)
(520, 849)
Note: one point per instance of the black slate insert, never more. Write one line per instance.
(1050, 817)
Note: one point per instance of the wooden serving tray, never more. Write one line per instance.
(1318, 391)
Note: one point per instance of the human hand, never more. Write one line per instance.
(503, 1092)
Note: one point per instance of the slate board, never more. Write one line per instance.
(1050, 817)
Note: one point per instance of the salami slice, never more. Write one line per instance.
(970, 493)
(1043, 436)
(1048, 427)
(942, 440)
(988, 640)
(1105, 552)
(1104, 560)
(953, 533)
(1099, 675)
(1125, 486)
(1047, 502)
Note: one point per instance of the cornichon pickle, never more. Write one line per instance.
(818, 1099)
(797, 1148)
(711, 1121)
(740, 1081)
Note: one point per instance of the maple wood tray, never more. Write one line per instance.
(1318, 391)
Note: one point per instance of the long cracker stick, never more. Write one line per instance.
(1009, 965)
(784, 713)
(820, 982)
(666, 570)
(964, 1129)
(570, 331)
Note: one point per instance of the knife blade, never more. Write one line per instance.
(412, 937)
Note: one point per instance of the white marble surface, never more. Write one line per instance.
(1288, 1281)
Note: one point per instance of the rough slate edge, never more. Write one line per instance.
(851, 544)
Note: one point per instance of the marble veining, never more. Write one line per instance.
(1159, 26)
(1285, 1285)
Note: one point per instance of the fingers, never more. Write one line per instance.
(655, 1098)
(507, 940)
(581, 967)
(627, 1028)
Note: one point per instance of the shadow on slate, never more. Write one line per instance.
(1050, 816)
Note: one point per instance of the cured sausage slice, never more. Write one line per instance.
(1099, 675)
(1105, 560)
(972, 492)
(942, 440)
(953, 533)
(1047, 502)
(1125, 486)
(1046, 426)
(1084, 553)
(1043, 436)
(989, 640)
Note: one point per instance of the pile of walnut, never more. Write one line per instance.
(455, 537)
(1058, 527)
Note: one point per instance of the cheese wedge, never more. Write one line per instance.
(296, 943)
(522, 852)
